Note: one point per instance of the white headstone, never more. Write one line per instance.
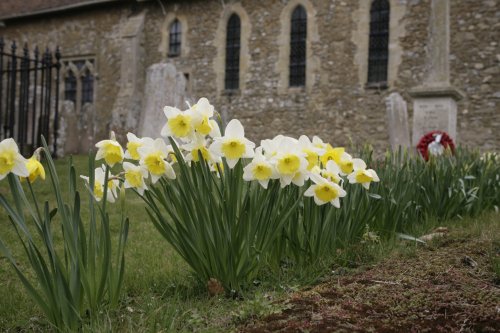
(397, 121)
(164, 86)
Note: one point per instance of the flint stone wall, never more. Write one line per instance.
(335, 104)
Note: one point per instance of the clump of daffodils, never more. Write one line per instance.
(293, 162)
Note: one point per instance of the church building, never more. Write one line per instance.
(293, 67)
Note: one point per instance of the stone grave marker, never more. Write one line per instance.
(434, 113)
(164, 86)
(434, 102)
(397, 121)
(68, 139)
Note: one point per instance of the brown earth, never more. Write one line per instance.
(446, 287)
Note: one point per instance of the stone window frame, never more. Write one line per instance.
(361, 38)
(284, 39)
(164, 45)
(175, 46)
(378, 57)
(68, 66)
(297, 64)
(219, 63)
(233, 42)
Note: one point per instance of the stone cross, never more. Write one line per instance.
(397, 121)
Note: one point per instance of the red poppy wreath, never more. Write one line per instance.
(435, 143)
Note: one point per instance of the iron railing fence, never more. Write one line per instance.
(29, 96)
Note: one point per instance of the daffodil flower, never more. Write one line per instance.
(133, 144)
(345, 163)
(361, 175)
(312, 152)
(291, 163)
(331, 154)
(179, 123)
(318, 143)
(343, 159)
(199, 146)
(233, 145)
(98, 191)
(134, 177)
(11, 160)
(35, 168)
(332, 172)
(153, 158)
(110, 150)
(260, 169)
(271, 146)
(202, 112)
(325, 191)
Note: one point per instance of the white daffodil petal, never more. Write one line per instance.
(234, 129)
(358, 164)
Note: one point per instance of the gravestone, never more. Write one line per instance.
(434, 102)
(397, 121)
(86, 128)
(164, 86)
(434, 113)
(68, 140)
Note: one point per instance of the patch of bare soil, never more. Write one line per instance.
(447, 287)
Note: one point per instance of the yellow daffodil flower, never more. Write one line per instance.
(202, 112)
(324, 191)
(260, 169)
(35, 168)
(271, 146)
(11, 160)
(179, 123)
(110, 150)
(134, 177)
(361, 175)
(133, 144)
(98, 190)
(331, 172)
(291, 162)
(197, 146)
(312, 152)
(233, 145)
(153, 158)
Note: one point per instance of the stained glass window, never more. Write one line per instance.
(232, 77)
(298, 38)
(379, 42)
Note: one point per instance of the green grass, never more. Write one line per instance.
(161, 292)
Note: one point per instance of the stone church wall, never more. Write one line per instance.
(335, 103)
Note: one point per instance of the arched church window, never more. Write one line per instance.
(298, 38)
(379, 41)
(232, 77)
(174, 44)
(79, 82)
(70, 87)
(87, 87)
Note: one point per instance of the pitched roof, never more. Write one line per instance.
(15, 8)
